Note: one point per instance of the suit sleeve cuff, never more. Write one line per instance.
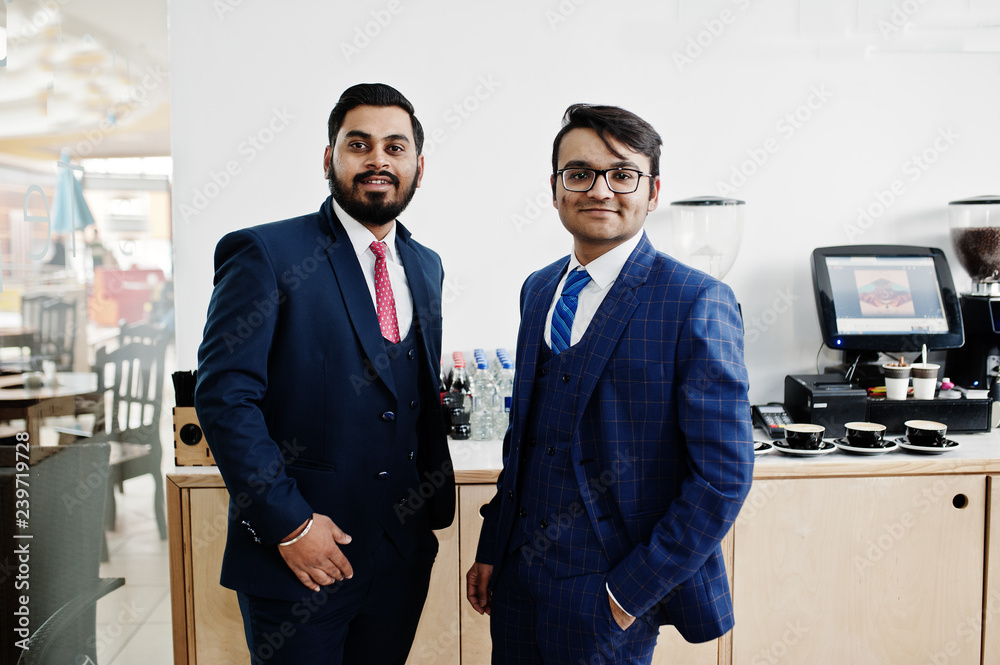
(615, 601)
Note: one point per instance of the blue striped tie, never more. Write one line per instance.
(562, 317)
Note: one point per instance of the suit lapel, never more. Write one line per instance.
(357, 298)
(419, 289)
(536, 308)
(612, 316)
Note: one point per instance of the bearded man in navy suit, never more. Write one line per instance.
(318, 394)
(629, 451)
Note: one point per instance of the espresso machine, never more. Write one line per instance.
(975, 235)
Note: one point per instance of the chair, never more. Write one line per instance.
(56, 333)
(132, 375)
(68, 493)
(31, 310)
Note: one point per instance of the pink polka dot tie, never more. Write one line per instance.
(383, 295)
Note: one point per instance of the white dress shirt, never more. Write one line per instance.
(604, 270)
(361, 237)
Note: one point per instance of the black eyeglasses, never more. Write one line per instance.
(620, 181)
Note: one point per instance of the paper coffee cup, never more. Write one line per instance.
(924, 379)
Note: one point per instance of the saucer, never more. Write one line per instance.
(761, 448)
(804, 452)
(927, 450)
(848, 448)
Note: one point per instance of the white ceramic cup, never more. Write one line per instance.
(924, 379)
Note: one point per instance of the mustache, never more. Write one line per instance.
(381, 174)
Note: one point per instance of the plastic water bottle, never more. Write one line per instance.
(505, 389)
(483, 401)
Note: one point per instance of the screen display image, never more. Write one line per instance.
(886, 295)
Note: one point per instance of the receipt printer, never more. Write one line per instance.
(825, 399)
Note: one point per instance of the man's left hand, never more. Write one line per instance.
(623, 620)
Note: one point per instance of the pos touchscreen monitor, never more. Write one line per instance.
(886, 298)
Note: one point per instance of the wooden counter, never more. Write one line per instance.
(840, 558)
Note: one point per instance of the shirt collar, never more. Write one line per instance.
(361, 236)
(605, 268)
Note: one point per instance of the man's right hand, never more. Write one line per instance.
(477, 582)
(316, 559)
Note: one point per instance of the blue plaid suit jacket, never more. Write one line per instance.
(663, 441)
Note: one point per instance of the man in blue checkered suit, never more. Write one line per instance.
(629, 452)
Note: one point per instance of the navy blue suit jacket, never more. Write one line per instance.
(662, 442)
(292, 396)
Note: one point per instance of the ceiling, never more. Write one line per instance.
(90, 76)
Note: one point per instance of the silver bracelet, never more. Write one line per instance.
(300, 536)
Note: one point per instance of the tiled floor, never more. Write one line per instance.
(133, 622)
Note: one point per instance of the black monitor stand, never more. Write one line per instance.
(861, 368)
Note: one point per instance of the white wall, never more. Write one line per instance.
(881, 96)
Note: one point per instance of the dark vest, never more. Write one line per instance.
(395, 478)
(552, 523)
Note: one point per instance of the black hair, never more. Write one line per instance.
(373, 94)
(623, 126)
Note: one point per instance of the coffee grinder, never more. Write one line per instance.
(975, 235)
(704, 232)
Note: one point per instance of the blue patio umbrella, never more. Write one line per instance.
(69, 203)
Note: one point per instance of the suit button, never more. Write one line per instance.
(543, 524)
(411, 354)
(541, 371)
(565, 378)
(388, 416)
(413, 404)
(523, 513)
(551, 451)
(411, 455)
(510, 495)
(382, 475)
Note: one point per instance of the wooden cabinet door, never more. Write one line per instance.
(861, 570)
(476, 644)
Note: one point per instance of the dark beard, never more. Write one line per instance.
(370, 208)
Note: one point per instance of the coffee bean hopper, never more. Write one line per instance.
(975, 235)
